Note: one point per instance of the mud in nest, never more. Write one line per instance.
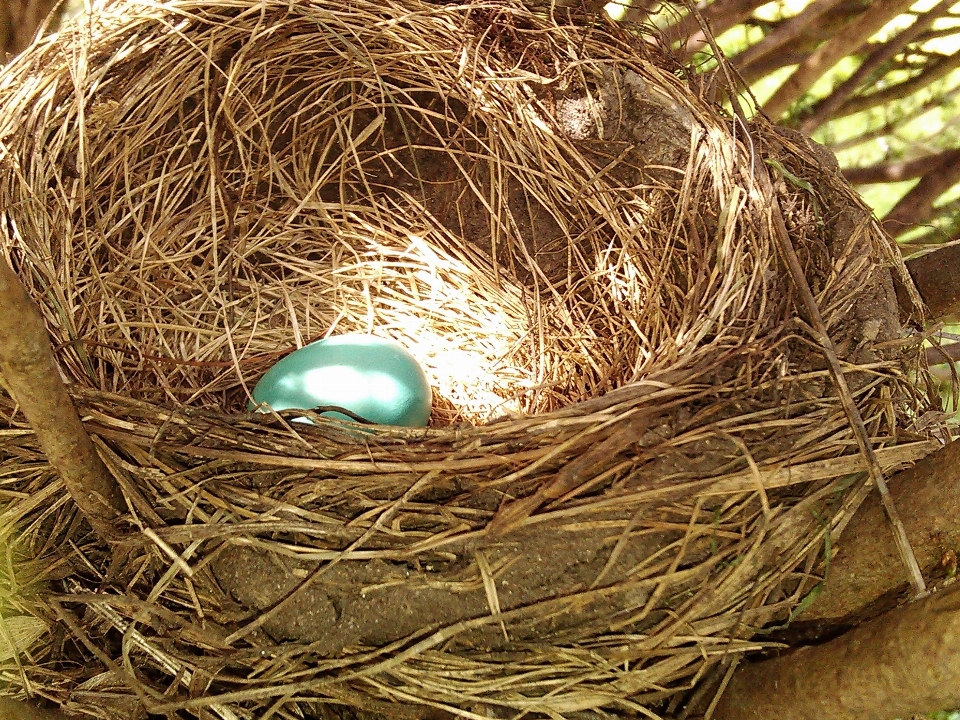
(637, 447)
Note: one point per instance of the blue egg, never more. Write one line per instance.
(375, 378)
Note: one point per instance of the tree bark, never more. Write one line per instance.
(867, 563)
(916, 207)
(826, 108)
(904, 662)
(31, 376)
(935, 275)
(831, 52)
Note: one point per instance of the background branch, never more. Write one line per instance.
(19, 22)
(936, 69)
(831, 52)
(828, 107)
(897, 171)
(917, 206)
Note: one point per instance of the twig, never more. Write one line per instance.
(819, 331)
(31, 375)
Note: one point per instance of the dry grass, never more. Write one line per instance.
(192, 189)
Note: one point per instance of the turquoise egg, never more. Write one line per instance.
(375, 378)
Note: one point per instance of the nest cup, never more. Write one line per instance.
(636, 447)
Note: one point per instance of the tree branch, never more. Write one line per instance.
(941, 33)
(917, 206)
(721, 15)
(934, 71)
(943, 355)
(936, 277)
(904, 662)
(867, 563)
(826, 108)
(785, 32)
(831, 52)
(890, 127)
(780, 39)
(31, 376)
(892, 172)
(20, 20)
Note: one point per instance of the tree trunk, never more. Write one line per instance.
(831, 52)
(31, 376)
(901, 663)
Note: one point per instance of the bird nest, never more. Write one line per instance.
(638, 447)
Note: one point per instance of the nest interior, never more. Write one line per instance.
(637, 448)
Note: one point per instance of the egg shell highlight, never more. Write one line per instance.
(373, 377)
